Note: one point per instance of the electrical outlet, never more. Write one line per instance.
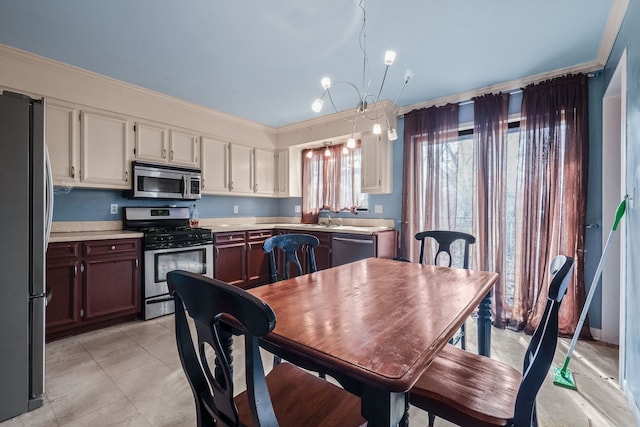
(377, 209)
(114, 208)
(297, 208)
(235, 209)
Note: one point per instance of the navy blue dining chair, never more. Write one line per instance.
(286, 396)
(444, 240)
(472, 390)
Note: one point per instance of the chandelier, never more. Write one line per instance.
(367, 103)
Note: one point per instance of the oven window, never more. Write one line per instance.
(193, 261)
(159, 185)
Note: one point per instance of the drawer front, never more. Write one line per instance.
(110, 247)
(259, 234)
(229, 238)
(63, 250)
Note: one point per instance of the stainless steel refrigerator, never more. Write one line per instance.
(25, 218)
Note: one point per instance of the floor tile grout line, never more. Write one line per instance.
(115, 383)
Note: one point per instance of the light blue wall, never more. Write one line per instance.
(93, 205)
(629, 38)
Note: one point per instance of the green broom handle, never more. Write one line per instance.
(619, 214)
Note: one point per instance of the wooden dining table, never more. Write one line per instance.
(374, 325)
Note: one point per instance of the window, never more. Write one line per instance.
(457, 171)
(332, 181)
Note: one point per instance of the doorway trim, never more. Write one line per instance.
(614, 112)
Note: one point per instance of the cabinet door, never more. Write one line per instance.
(215, 166)
(104, 150)
(184, 149)
(111, 287)
(240, 158)
(323, 251)
(230, 258)
(264, 165)
(258, 272)
(64, 287)
(151, 142)
(376, 164)
(282, 173)
(63, 142)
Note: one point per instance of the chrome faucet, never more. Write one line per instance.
(329, 220)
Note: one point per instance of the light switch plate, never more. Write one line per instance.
(377, 209)
(114, 208)
(235, 209)
(297, 209)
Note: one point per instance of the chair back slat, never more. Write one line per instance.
(290, 244)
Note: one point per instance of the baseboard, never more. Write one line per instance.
(596, 334)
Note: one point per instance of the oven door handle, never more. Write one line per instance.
(159, 300)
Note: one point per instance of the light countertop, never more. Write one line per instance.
(71, 236)
(74, 236)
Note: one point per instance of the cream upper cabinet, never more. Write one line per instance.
(151, 142)
(63, 142)
(263, 166)
(376, 162)
(282, 173)
(240, 169)
(215, 166)
(157, 143)
(184, 148)
(104, 150)
(288, 173)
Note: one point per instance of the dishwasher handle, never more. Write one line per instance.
(359, 241)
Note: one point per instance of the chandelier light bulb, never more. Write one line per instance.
(345, 150)
(351, 143)
(317, 105)
(392, 134)
(309, 154)
(377, 129)
(327, 152)
(389, 57)
(326, 83)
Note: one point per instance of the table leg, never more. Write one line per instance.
(484, 326)
(381, 408)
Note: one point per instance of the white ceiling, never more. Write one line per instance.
(263, 60)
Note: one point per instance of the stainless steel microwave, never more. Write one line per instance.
(158, 181)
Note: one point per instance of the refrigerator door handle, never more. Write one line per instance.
(49, 198)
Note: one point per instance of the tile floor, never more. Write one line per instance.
(130, 375)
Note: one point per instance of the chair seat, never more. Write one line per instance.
(298, 398)
(468, 388)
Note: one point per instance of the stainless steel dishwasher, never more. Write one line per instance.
(347, 248)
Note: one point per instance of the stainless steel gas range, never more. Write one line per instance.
(168, 244)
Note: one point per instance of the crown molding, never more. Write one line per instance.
(509, 86)
(81, 73)
(388, 106)
(618, 10)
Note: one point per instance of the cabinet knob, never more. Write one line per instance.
(164, 153)
(113, 247)
(73, 171)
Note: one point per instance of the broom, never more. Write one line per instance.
(562, 376)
